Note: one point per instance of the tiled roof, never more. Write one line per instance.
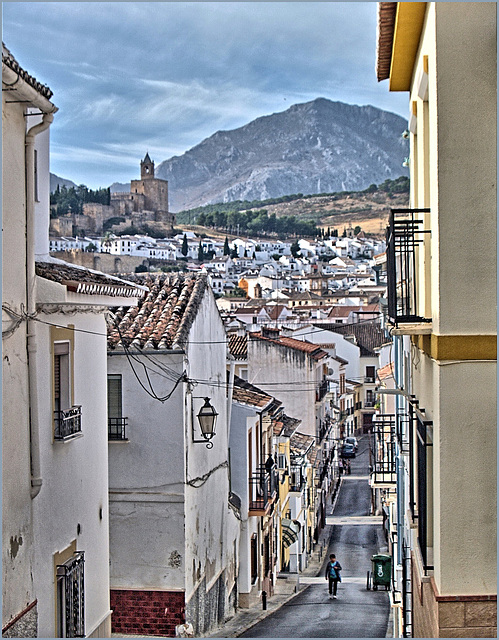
(9, 61)
(162, 319)
(275, 311)
(313, 350)
(247, 393)
(386, 371)
(369, 335)
(386, 26)
(238, 346)
(301, 443)
(342, 311)
(82, 280)
(286, 426)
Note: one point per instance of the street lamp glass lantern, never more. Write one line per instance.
(207, 417)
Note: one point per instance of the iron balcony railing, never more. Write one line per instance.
(296, 480)
(321, 390)
(262, 488)
(403, 236)
(67, 423)
(71, 597)
(383, 450)
(116, 428)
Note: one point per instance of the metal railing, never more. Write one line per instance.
(321, 390)
(67, 423)
(262, 488)
(71, 597)
(383, 450)
(116, 428)
(402, 239)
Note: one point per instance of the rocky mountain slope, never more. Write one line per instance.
(315, 147)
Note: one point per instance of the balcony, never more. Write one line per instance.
(116, 428)
(67, 423)
(402, 240)
(262, 491)
(382, 452)
(297, 480)
(321, 390)
(324, 427)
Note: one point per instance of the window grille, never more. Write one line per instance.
(116, 422)
(402, 239)
(423, 442)
(70, 596)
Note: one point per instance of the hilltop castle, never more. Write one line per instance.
(146, 203)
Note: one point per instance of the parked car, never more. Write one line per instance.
(352, 440)
(347, 451)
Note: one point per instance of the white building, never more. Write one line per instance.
(173, 535)
(55, 509)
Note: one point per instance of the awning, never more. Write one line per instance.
(290, 530)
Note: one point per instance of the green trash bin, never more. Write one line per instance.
(381, 570)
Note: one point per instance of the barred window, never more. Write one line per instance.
(70, 597)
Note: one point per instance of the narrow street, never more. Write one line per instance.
(355, 537)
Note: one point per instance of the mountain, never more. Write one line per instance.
(56, 181)
(314, 147)
(120, 187)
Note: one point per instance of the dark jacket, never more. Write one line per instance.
(335, 575)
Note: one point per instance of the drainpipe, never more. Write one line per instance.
(230, 394)
(36, 478)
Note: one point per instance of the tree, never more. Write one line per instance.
(234, 253)
(357, 230)
(200, 252)
(295, 249)
(141, 268)
(226, 247)
(201, 221)
(185, 246)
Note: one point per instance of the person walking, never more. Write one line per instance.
(333, 575)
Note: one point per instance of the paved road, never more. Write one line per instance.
(356, 536)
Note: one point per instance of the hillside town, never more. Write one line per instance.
(182, 414)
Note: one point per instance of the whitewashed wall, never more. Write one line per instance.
(74, 473)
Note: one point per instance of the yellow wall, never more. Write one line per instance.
(453, 171)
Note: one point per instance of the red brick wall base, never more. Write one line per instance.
(143, 612)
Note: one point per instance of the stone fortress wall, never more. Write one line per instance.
(147, 202)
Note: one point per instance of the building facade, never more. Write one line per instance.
(442, 312)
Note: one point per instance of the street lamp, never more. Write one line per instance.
(207, 417)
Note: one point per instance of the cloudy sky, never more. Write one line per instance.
(161, 77)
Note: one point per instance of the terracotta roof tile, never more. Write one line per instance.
(238, 346)
(369, 334)
(313, 350)
(286, 426)
(82, 280)
(163, 318)
(386, 25)
(9, 61)
(386, 371)
(247, 393)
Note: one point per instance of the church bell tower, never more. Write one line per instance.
(146, 168)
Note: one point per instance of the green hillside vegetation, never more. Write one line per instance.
(270, 217)
(64, 200)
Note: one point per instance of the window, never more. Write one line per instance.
(115, 420)
(71, 597)
(370, 374)
(67, 416)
